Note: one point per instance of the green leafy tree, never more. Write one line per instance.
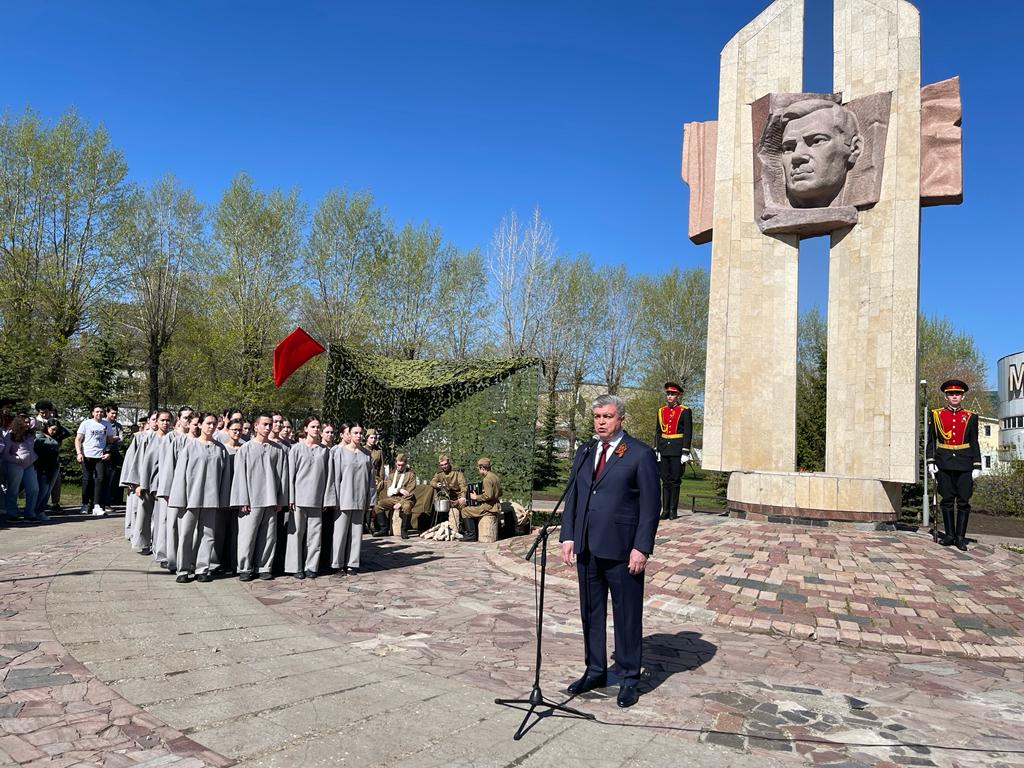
(158, 240)
(811, 395)
(351, 245)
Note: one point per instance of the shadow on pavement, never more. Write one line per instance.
(666, 655)
(385, 555)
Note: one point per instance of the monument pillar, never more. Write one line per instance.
(856, 164)
(752, 320)
(872, 410)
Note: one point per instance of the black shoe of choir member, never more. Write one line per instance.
(145, 551)
(204, 578)
(351, 571)
(245, 577)
(182, 578)
(310, 574)
(266, 575)
(588, 682)
(299, 575)
(163, 563)
(628, 696)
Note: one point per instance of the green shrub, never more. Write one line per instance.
(1001, 491)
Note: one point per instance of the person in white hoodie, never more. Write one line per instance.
(307, 474)
(259, 488)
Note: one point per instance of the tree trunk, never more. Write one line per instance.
(153, 364)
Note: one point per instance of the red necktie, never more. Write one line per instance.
(601, 459)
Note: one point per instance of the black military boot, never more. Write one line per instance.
(961, 528)
(664, 514)
(382, 525)
(406, 523)
(470, 534)
(949, 537)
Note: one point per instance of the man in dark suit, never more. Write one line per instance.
(608, 527)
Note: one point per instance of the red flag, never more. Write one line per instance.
(294, 350)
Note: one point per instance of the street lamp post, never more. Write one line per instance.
(925, 511)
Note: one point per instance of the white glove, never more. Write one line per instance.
(932, 470)
(684, 458)
(657, 455)
(975, 474)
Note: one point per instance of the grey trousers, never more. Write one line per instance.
(129, 513)
(159, 531)
(348, 523)
(304, 529)
(171, 535)
(188, 520)
(208, 520)
(142, 524)
(257, 537)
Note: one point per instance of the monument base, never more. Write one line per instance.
(813, 498)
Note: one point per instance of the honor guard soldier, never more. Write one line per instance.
(954, 460)
(672, 439)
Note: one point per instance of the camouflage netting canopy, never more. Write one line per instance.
(467, 409)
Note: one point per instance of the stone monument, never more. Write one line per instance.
(857, 164)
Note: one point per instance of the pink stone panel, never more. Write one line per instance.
(942, 174)
(700, 143)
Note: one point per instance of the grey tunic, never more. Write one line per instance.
(260, 476)
(169, 451)
(350, 482)
(131, 469)
(202, 476)
(149, 468)
(307, 475)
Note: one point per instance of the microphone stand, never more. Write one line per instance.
(536, 698)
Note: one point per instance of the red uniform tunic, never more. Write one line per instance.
(953, 440)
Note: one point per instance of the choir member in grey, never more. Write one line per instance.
(259, 489)
(350, 489)
(201, 487)
(226, 535)
(307, 473)
(166, 550)
(144, 526)
(131, 468)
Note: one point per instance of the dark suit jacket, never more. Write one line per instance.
(619, 511)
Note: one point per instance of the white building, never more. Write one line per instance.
(1011, 406)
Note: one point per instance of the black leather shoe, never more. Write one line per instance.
(182, 578)
(245, 577)
(310, 574)
(299, 575)
(663, 515)
(586, 683)
(204, 578)
(628, 696)
(961, 544)
(351, 571)
(266, 575)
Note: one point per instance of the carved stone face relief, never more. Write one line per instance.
(820, 144)
(817, 160)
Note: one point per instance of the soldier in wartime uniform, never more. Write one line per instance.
(672, 437)
(954, 461)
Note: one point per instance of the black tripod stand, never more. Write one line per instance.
(536, 698)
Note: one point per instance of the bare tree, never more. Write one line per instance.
(463, 295)
(622, 323)
(158, 237)
(520, 261)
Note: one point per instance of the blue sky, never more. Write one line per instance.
(456, 112)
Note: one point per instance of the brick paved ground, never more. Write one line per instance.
(896, 591)
(53, 710)
(399, 666)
